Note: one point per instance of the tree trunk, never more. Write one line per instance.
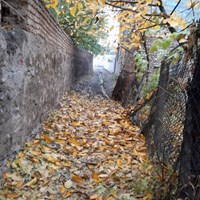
(145, 76)
(190, 152)
(125, 81)
(153, 129)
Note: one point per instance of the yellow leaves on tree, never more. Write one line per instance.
(53, 4)
(140, 16)
(80, 5)
(175, 21)
(73, 10)
(76, 8)
(134, 18)
(83, 20)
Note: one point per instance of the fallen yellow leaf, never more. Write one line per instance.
(74, 123)
(62, 189)
(30, 183)
(75, 142)
(147, 196)
(46, 138)
(67, 194)
(62, 142)
(95, 176)
(77, 178)
(119, 163)
(95, 197)
(13, 195)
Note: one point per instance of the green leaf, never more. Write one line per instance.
(176, 57)
(175, 36)
(155, 46)
(166, 43)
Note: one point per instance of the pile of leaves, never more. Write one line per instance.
(88, 149)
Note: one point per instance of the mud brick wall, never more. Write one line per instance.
(33, 17)
(38, 64)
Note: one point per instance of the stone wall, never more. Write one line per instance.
(38, 64)
(82, 59)
(0, 11)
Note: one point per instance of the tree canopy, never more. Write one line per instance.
(85, 21)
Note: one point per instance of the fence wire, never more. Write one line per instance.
(162, 118)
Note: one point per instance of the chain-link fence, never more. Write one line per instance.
(163, 115)
(171, 117)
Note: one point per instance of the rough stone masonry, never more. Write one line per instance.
(38, 64)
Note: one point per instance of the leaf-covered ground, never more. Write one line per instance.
(88, 150)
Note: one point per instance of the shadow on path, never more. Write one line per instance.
(101, 82)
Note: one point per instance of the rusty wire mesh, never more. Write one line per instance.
(163, 116)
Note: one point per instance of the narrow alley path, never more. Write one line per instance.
(88, 149)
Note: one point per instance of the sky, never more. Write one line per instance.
(182, 9)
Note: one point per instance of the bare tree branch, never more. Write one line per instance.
(175, 7)
(131, 2)
(166, 16)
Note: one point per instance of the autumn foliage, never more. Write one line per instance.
(91, 155)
